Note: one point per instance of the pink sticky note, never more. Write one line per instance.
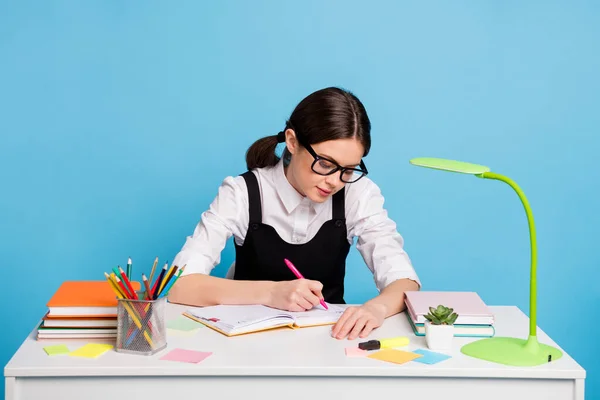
(182, 355)
(356, 352)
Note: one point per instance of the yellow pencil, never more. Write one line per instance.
(131, 312)
(164, 281)
(115, 280)
(134, 316)
(165, 291)
(136, 307)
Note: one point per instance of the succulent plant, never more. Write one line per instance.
(441, 315)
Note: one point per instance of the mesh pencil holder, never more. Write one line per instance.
(141, 327)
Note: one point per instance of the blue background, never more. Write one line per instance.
(120, 119)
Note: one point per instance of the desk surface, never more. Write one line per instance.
(286, 352)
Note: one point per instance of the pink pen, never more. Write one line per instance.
(299, 276)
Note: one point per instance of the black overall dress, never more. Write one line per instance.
(322, 259)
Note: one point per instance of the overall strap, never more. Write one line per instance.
(253, 197)
(339, 206)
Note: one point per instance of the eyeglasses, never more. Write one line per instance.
(324, 166)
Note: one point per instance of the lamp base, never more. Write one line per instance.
(512, 351)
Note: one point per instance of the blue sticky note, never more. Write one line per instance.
(430, 357)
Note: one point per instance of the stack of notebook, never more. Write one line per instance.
(474, 317)
(81, 310)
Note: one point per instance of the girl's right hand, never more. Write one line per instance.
(296, 295)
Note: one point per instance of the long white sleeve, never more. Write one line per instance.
(226, 215)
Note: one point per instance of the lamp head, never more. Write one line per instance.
(450, 165)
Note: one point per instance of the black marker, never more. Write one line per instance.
(384, 343)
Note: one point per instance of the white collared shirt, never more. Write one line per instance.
(297, 220)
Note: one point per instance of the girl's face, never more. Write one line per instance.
(318, 188)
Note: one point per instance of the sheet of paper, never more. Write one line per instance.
(318, 315)
(236, 315)
(394, 356)
(356, 352)
(91, 350)
(182, 323)
(183, 355)
(319, 310)
(57, 349)
(430, 357)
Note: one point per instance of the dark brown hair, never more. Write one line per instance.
(327, 114)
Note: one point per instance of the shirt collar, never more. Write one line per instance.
(288, 195)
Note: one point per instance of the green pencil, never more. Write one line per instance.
(129, 268)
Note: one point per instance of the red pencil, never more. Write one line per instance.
(133, 293)
(120, 283)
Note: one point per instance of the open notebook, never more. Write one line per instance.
(232, 320)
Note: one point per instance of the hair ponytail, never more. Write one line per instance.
(262, 153)
(327, 114)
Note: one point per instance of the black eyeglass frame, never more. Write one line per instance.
(363, 168)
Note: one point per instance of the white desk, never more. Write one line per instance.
(290, 364)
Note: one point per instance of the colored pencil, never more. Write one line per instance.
(158, 280)
(129, 268)
(124, 294)
(112, 279)
(128, 284)
(121, 276)
(118, 283)
(172, 270)
(147, 286)
(122, 290)
(153, 269)
(131, 312)
(167, 288)
(122, 287)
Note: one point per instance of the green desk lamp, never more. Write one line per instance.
(503, 350)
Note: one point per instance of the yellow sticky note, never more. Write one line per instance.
(395, 356)
(91, 350)
(58, 349)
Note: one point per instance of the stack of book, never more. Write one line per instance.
(474, 317)
(81, 310)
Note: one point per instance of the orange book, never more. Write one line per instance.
(85, 298)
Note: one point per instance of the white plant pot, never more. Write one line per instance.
(439, 337)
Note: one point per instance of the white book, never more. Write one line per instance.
(469, 306)
(80, 323)
(232, 320)
(77, 331)
(77, 336)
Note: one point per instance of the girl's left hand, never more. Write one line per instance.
(359, 321)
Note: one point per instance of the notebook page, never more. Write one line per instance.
(235, 317)
(319, 315)
(262, 325)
